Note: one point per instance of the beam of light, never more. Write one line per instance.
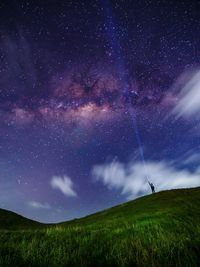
(111, 30)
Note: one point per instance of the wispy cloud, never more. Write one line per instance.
(131, 179)
(64, 184)
(38, 205)
(189, 98)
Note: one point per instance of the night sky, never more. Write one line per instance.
(96, 97)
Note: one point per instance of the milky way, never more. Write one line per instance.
(85, 90)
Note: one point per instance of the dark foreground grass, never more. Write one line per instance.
(158, 230)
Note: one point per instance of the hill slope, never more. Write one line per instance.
(182, 204)
(11, 220)
(162, 229)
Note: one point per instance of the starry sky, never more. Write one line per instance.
(96, 98)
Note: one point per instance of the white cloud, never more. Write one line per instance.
(131, 178)
(64, 184)
(38, 205)
(189, 98)
(191, 158)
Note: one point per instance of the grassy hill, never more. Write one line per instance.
(162, 229)
(13, 221)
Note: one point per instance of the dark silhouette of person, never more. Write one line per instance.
(152, 187)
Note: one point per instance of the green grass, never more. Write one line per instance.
(157, 230)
